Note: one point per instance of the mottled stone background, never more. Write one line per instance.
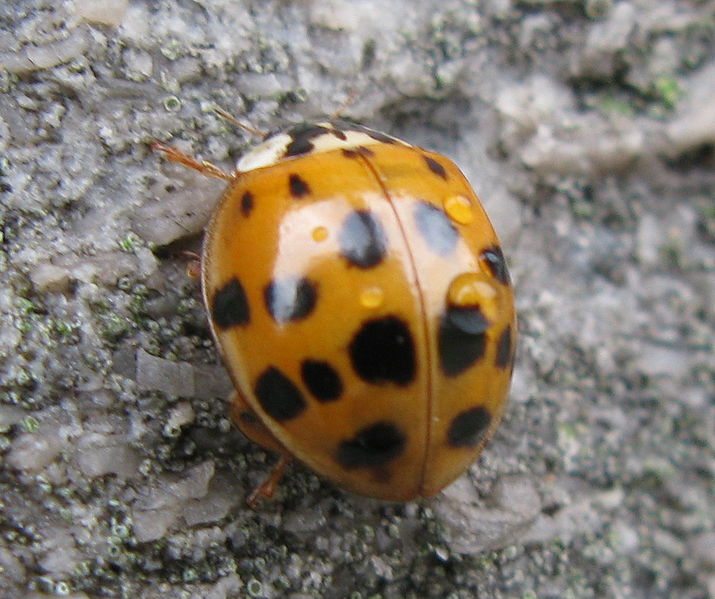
(587, 127)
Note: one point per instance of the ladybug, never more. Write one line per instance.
(362, 304)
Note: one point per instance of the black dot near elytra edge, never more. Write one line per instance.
(436, 167)
(461, 339)
(290, 299)
(504, 349)
(468, 427)
(436, 228)
(373, 445)
(298, 187)
(247, 202)
(278, 395)
(321, 379)
(301, 138)
(362, 239)
(496, 263)
(383, 351)
(229, 306)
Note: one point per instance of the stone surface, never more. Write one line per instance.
(587, 129)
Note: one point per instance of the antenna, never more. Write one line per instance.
(229, 117)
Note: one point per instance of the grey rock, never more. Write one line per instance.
(586, 127)
(173, 378)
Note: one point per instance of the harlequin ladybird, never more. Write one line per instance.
(363, 307)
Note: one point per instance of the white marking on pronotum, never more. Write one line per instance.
(273, 150)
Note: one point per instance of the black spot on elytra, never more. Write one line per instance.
(462, 338)
(374, 445)
(229, 306)
(504, 349)
(290, 299)
(497, 264)
(362, 239)
(383, 351)
(436, 167)
(468, 427)
(247, 201)
(321, 379)
(436, 228)
(298, 187)
(301, 138)
(278, 396)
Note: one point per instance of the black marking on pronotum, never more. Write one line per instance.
(301, 138)
(376, 135)
(357, 151)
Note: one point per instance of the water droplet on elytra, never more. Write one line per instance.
(459, 209)
(471, 289)
(320, 233)
(371, 297)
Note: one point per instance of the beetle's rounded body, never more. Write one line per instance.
(363, 307)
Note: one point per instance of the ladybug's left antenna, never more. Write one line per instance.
(204, 167)
(229, 117)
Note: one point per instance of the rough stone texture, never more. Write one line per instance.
(586, 126)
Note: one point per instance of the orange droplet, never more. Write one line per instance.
(371, 297)
(459, 209)
(320, 233)
(471, 289)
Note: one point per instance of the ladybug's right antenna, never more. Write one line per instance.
(229, 117)
(338, 112)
